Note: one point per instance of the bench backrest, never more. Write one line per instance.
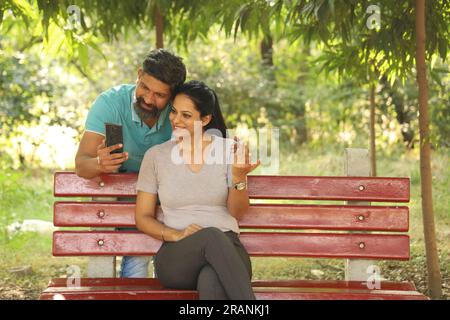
(270, 229)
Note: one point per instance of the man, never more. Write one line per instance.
(143, 111)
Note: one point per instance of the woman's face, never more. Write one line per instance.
(185, 118)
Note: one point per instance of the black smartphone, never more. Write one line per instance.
(114, 136)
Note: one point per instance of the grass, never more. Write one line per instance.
(28, 195)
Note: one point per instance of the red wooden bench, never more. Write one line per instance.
(355, 231)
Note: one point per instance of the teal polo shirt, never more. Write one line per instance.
(116, 106)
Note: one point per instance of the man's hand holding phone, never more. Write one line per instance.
(108, 161)
(110, 155)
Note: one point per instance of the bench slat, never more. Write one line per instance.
(142, 293)
(155, 283)
(280, 216)
(330, 188)
(265, 244)
(68, 184)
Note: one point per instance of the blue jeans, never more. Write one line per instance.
(134, 267)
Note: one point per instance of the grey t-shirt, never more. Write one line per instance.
(187, 197)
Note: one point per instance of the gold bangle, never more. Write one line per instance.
(162, 234)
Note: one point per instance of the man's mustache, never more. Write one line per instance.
(145, 114)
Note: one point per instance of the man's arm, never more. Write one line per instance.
(94, 158)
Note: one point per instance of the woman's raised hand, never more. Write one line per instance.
(241, 162)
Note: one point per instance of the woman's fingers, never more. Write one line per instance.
(254, 166)
(194, 228)
(243, 157)
(191, 229)
(247, 154)
(239, 152)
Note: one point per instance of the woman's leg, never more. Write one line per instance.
(241, 251)
(178, 264)
(209, 286)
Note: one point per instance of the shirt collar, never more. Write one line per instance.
(134, 116)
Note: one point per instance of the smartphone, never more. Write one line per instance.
(114, 136)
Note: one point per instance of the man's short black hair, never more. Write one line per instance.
(166, 67)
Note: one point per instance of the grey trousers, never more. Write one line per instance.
(212, 261)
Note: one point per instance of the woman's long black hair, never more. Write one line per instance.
(206, 102)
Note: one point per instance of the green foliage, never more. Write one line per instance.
(40, 44)
(11, 195)
(33, 94)
(30, 80)
(339, 25)
(247, 91)
(440, 107)
(23, 195)
(20, 8)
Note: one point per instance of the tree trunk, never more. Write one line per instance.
(404, 116)
(373, 157)
(301, 126)
(434, 274)
(267, 51)
(159, 24)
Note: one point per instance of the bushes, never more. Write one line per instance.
(24, 195)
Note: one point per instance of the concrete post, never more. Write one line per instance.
(102, 267)
(357, 163)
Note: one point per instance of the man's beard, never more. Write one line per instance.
(143, 113)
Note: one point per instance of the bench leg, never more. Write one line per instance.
(361, 270)
(101, 267)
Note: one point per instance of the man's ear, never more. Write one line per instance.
(140, 72)
(206, 120)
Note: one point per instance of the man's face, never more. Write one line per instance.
(152, 96)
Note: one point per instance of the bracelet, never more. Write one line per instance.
(162, 234)
(240, 186)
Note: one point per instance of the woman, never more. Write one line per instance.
(202, 194)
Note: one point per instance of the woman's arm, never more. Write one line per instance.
(146, 222)
(238, 201)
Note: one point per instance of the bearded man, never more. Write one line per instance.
(142, 109)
